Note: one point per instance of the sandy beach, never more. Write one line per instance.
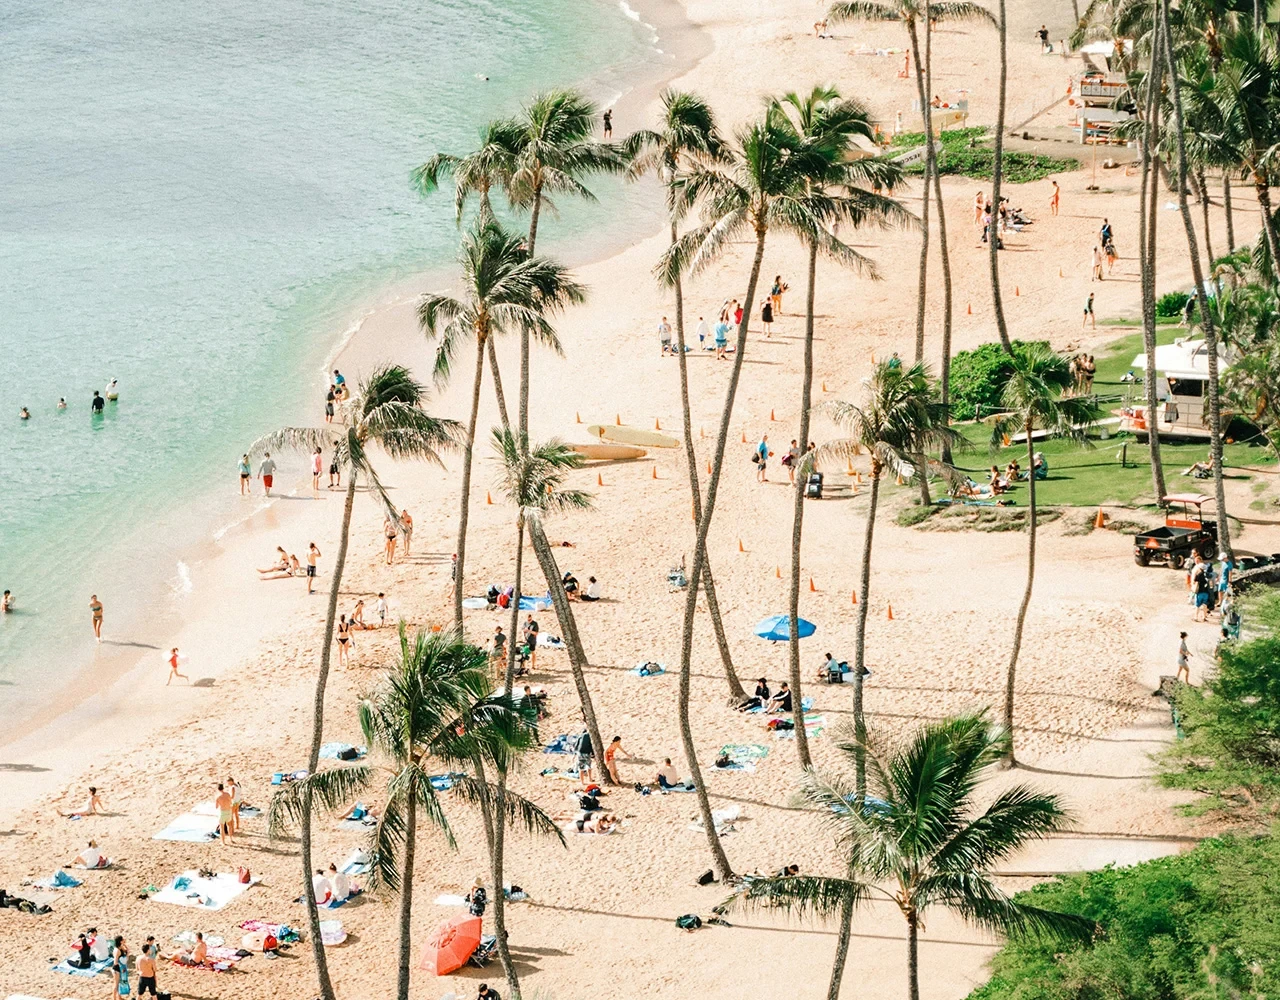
(1101, 630)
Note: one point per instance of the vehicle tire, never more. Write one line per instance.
(1177, 560)
(1142, 558)
(1207, 550)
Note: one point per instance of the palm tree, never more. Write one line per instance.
(756, 188)
(1033, 402)
(825, 126)
(386, 410)
(900, 419)
(1197, 272)
(922, 831)
(910, 13)
(532, 479)
(505, 289)
(997, 172)
(687, 133)
(556, 150)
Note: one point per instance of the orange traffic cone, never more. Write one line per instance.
(771, 416)
(1101, 520)
(487, 497)
(777, 572)
(655, 472)
(873, 357)
(577, 417)
(1017, 290)
(891, 612)
(617, 419)
(744, 437)
(812, 588)
(708, 466)
(656, 425)
(1060, 274)
(848, 468)
(702, 432)
(740, 548)
(855, 597)
(1007, 441)
(824, 386)
(599, 479)
(970, 308)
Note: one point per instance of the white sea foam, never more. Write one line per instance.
(341, 345)
(627, 9)
(183, 584)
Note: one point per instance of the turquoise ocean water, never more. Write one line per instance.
(193, 198)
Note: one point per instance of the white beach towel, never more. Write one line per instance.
(190, 827)
(189, 889)
(722, 818)
(448, 899)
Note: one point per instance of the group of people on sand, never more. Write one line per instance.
(1083, 370)
(1006, 218)
(334, 398)
(287, 566)
(526, 652)
(790, 461)
(394, 529)
(332, 886)
(93, 947)
(728, 320)
(1103, 250)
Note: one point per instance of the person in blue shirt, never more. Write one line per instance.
(762, 458)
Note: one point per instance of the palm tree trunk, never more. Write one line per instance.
(1206, 315)
(860, 636)
(842, 950)
(699, 550)
(1263, 190)
(1012, 672)
(993, 235)
(515, 607)
(497, 384)
(497, 859)
(317, 738)
(404, 957)
(569, 633)
(860, 737)
(922, 285)
(945, 372)
(691, 458)
(1226, 209)
(1147, 260)
(524, 332)
(464, 505)
(797, 516)
(913, 951)
(1204, 211)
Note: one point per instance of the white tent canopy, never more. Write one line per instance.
(1187, 359)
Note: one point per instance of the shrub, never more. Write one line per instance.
(977, 380)
(963, 155)
(1171, 303)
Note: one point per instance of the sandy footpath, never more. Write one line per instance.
(1100, 632)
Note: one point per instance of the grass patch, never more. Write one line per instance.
(964, 153)
(910, 516)
(963, 517)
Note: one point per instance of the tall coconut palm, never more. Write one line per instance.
(504, 290)
(532, 479)
(997, 175)
(920, 840)
(1033, 401)
(1197, 272)
(756, 189)
(686, 134)
(911, 13)
(900, 418)
(835, 190)
(386, 410)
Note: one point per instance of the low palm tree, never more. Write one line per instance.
(386, 410)
(920, 829)
(900, 418)
(490, 166)
(836, 191)
(532, 479)
(1033, 401)
(505, 290)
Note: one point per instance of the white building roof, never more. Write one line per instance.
(1184, 359)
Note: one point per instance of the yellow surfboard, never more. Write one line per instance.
(633, 435)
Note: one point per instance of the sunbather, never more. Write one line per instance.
(198, 955)
(604, 823)
(780, 702)
(90, 856)
(92, 807)
(281, 564)
(339, 883)
(361, 813)
(84, 954)
(667, 776)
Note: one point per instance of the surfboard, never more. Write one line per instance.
(633, 435)
(112, 396)
(607, 452)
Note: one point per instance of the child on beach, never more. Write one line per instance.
(174, 660)
(382, 609)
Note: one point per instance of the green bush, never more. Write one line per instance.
(1197, 926)
(963, 155)
(977, 380)
(1171, 303)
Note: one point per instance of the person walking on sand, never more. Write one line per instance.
(95, 609)
(762, 459)
(147, 967)
(792, 461)
(344, 640)
(174, 660)
(313, 554)
(406, 529)
(389, 530)
(226, 833)
(664, 336)
(317, 466)
(1088, 312)
(979, 204)
(245, 470)
(610, 757)
(335, 471)
(267, 472)
(234, 790)
(453, 575)
(766, 317)
(6, 602)
(1184, 659)
(737, 314)
(1096, 273)
(775, 293)
(531, 640)
(702, 331)
(381, 608)
(1055, 198)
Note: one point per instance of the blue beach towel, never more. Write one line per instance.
(564, 743)
(648, 669)
(71, 970)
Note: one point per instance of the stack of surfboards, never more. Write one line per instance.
(617, 442)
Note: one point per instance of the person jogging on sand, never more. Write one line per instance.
(174, 660)
(95, 608)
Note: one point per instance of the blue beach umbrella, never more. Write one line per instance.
(777, 628)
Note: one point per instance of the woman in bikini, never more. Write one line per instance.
(406, 529)
(979, 203)
(344, 640)
(389, 529)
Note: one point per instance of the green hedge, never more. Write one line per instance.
(977, 380)
(1171, 303)
(963, 154)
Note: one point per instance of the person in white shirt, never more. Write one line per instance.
(593, 591)
(89, 856)
(703, 331)
(320, 889)
(381, 607)
(664, 335)
(340, 884)
(99, 945)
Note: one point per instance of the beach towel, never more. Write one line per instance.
(333, 904)
(58, 880)
(684, 786)
(722, 818)
(528, 603)
(190, 827)
(475, 603)
(813, 726)
(93, 970)
(744, 751)
(805, 705)
(209, 809)
(335, 751)
(189, 889)
(448, 899)
(217, 960)
(283, 933)
(443, 782)
(357, 825)
(102, 865)
(550, 642)
(358, 864)
(284, 777)
(568, 773)
(564, 743)
(648, 669)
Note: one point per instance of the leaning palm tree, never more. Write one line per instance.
(386, 410)
(997, 175)
(835, 191)
(505, 290)
(532, 479)
(920, 830)
(1034, 403)
(687, 134)
(911, 13)
(756, 188)
(900, 419)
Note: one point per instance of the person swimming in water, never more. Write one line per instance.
(24, 414)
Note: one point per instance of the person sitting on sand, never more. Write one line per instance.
(780, 702)
(281, 565)
(84, 954)
(339, 883)
(93, 807)
(594, 590)
(788, 871)
(761, 696)
(478, 898)
(486, 993)
(90, 856)
(667, 777)
(198, 955)
(604, 823)
(361, 813)
(321, 891)
(357, 615)
(570, 584)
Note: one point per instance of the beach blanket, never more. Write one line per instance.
(449, 899)
(528, 603)
(722, 818)
(744, 751)
(805, 705)
(93, 970)
(189, 889)
(684, 786)
(550, 642)
(443, 782)
(358, 825)
(283, 933)
(284, 777)
(813, 726)
(333, 904)
(58, 880)
(334, 751)
(564, 743)
(358, 864)
(648, 669)
(567, 774)
(190, 827)
(216, 960)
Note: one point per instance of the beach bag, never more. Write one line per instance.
(755, 458)
(350, 753)
(269, 943)
(689, 922)
(244, 876)
(504, 601)
(707, 877)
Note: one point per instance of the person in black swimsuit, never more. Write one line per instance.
(607, 119)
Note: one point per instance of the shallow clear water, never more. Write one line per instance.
(192, 198)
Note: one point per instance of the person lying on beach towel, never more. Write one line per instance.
(604, 823)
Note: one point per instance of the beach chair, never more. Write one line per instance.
(676, 578)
